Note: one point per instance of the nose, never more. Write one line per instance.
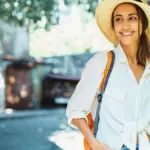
(126, 25)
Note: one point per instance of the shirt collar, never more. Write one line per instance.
(123, 58)
(148, 63)
(147, 68)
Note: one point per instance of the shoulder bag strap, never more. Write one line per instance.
(107, 72)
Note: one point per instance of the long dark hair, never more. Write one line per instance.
(143, 49)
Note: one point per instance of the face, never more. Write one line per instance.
(127, 24)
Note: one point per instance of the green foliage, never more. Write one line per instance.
(37, 12)
(92, 5)
(89, 5)
(25, 12)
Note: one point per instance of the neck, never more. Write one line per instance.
(130, 52)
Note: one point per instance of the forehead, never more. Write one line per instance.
(125, 8)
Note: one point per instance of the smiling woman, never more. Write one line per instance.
(129, 28)
(126, 24)
(124, 110)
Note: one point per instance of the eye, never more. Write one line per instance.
(133, 18)
(118, 19)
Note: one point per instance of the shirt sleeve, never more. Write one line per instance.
(80, 103)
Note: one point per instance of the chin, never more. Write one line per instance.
(127, 41)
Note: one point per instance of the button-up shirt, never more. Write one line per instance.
(125, 107)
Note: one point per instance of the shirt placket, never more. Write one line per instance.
(138, 115)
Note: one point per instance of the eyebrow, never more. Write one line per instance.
(129, 15)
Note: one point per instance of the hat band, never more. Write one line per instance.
(139, 1)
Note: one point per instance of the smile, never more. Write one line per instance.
(126, 33)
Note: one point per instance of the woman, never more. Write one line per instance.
(125, 108)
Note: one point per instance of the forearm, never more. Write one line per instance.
(148, 136)
(82, 125)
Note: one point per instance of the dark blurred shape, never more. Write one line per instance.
(18, 87)
(59, 84)
(57, 89)
(19, 82)
(56, 85)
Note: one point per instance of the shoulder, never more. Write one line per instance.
(98, 60)
(96, 64)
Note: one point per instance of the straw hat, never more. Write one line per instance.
(104, 13)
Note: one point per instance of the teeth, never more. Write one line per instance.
(127, 33)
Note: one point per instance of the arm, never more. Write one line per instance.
(82, 101)
(148, 137)
(83, 98)
(148, 130)
(148, 133)
(82, 125)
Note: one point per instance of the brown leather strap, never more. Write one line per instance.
(108, 65)
(89, 116)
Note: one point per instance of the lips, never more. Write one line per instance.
(126, 34)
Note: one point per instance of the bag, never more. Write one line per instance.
(93, 124)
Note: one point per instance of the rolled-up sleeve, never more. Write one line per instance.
(82, 100)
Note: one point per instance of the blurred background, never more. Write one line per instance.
(44, 46)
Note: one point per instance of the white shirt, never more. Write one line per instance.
(125, 108)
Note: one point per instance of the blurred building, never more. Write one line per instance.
(14, 42)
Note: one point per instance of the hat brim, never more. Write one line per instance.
(103, 16)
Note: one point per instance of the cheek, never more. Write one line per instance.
(137, 27)
(117, 29)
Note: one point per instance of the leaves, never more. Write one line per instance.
(24, 12)
(31, 12)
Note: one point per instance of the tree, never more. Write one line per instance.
(89, 5)
(27, 12)
(37, 12)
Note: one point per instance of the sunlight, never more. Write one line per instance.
(76, 33)
(67, 140)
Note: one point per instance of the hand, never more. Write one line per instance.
(99, 146)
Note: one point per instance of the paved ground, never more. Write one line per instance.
(38, 130)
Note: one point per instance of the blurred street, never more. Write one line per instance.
(38, 130)
(44, 47)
